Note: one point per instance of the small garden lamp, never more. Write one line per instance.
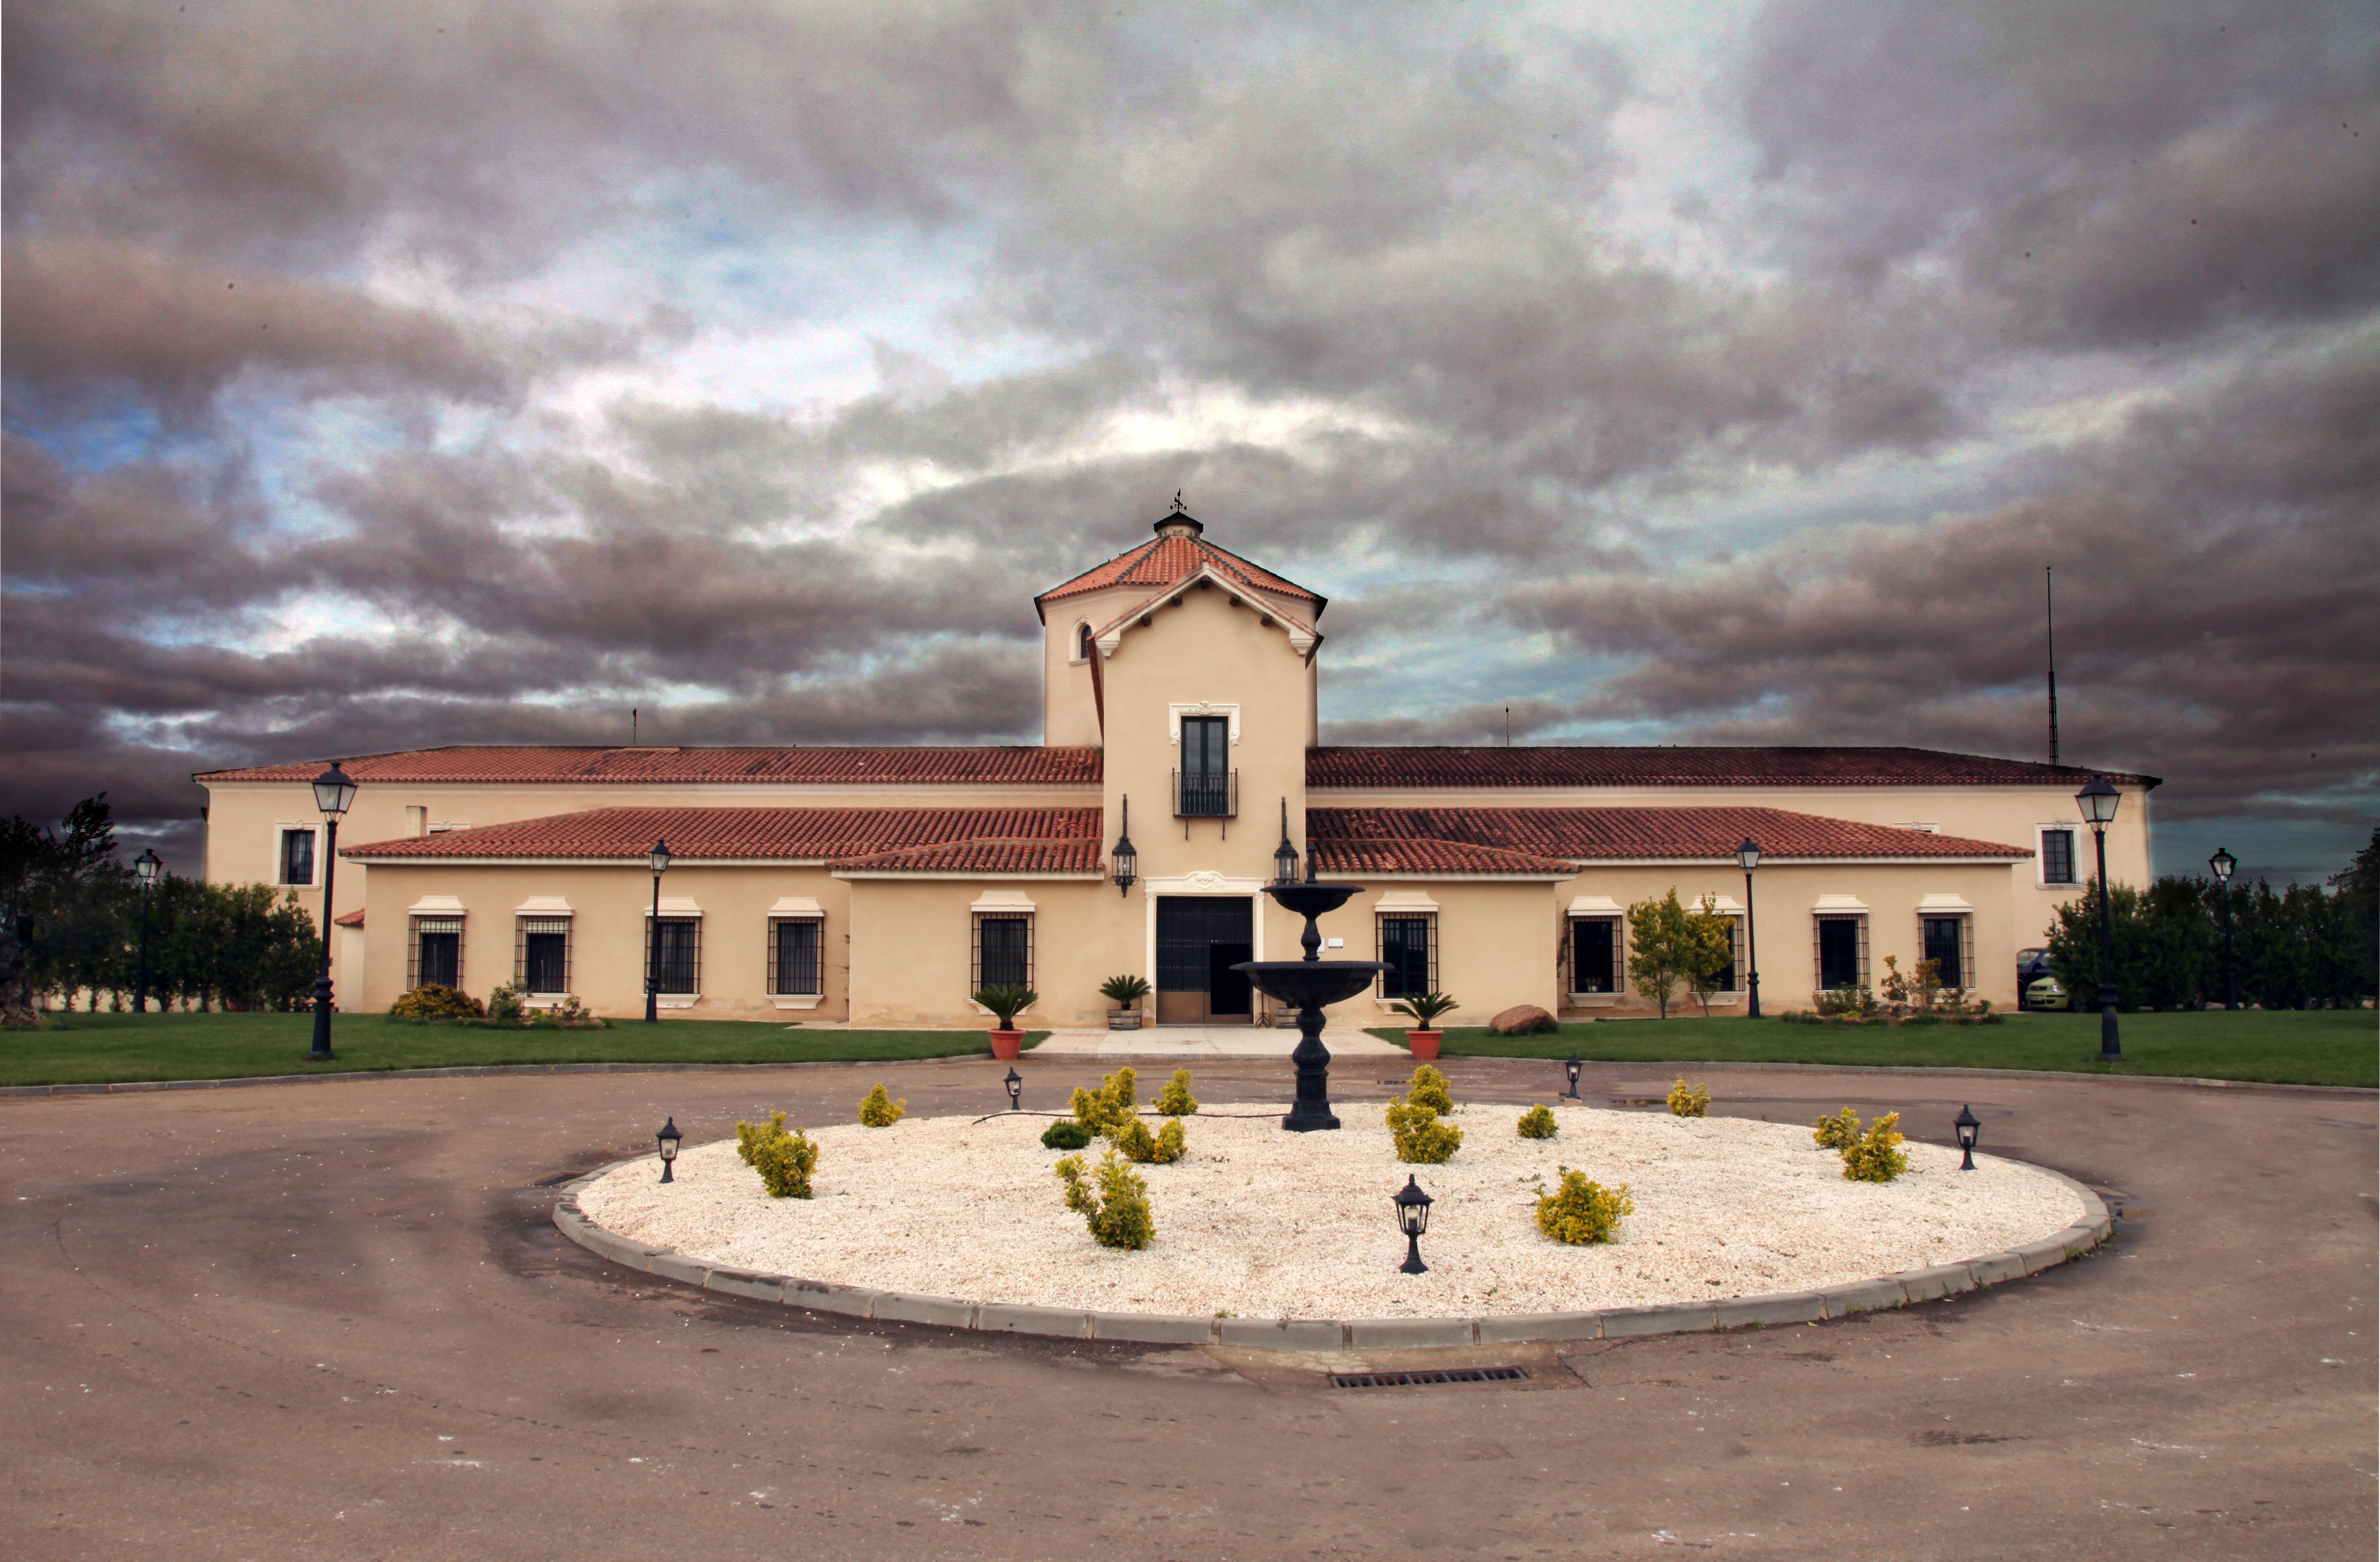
(1747, 856)
(334, 793)
(1571, 1067)
(2098, 801)
(668, 1139)
(660, 856)
(2222, 863)
(1015, 1090)
(1413, 1219)
(1970, 1129)
(148, 865)
(1124, 858)
(1284, 856)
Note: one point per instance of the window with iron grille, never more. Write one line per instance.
(1841, 951)
(2056, 857)
(1204, 788)
(1409, 948)
(1729, 979)
(435, 953)
(1949, 943)
(1597, 962)
(1003, 949)
(674, 957)
(298, 857)
(541, 955)
(795, 963)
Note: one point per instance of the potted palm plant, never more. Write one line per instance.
(1425, 1010)
(1006, 1001)
(1125, 993)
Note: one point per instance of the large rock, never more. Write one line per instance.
(1522, 1020)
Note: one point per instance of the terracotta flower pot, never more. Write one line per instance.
(1425, 1044)
(1007, 1045)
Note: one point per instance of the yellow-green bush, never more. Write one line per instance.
(1132, 1141)
(1175, 1100)
(784, 1160)
(1118, 1211)
(1109, 1105)
(1428, 1088)
(1689, 1101)
(1421, 1139)
(1172, 1143)
(432, 1002)
(1836, 1130)
(1581, 1211)
(1875, 1156)
(878, 1110)
(1538, 1122)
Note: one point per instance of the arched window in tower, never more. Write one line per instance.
(1082, 642)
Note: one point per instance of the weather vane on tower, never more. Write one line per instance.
(1179, 508)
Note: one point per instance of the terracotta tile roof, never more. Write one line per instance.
(1685, 767)
(833, 834)
(983, 856)
(1161, 561)
(353, 919)
(1416, 855)
(987, 766)
(1587, 834)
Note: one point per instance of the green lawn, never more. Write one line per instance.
(90, 1048)
(2331, 1047)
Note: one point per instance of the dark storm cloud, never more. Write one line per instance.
(2201, 547)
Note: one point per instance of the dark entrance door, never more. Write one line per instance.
(1199, 937)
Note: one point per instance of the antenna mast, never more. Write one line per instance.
(2050, 608)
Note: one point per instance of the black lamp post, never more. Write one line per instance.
(148, 866)
(334, 792)
(1413, 1219)
(668, 1139)
(1124, 858)
(2223, 863)
(1284, 856)
(2099, 802)
(1015, 1090)
(1970, 1129)
(1747, 856)
(660, 855)
(1571, 1067)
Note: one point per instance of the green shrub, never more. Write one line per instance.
(879, 1110)
(1421, 1139)
(1124, 991)
(1172, 1143)
(1425, 1009)
(1110, 1104)
(1581, 1211)
(1066, 1135)
(1007, 1001)
(434, 1002)
(1538, 1122)
(1689, 1101)
(1118, 1213)
(1428, 1088)
(1175, 1100)
(504, 1004)
(784, 1160)
(1836, 1130)
(1132, 1141)
(1875, 1156)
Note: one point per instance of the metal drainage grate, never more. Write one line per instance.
(1414, 1380)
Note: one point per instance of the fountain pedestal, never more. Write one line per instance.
(1308, 985)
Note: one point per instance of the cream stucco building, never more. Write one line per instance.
(1180, 684)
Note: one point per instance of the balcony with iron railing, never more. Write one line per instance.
(1205, 794)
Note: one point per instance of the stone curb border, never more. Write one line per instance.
(1359, 1334)
(495, 1070)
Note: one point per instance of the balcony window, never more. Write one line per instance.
(542, 959)
(2057, 856)
(1205, 786)
(298, 857)
(435, 953)
(796, 965)
(1409, 948)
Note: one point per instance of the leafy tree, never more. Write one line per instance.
(1667, 944)
(1711, 950)
(61, 899)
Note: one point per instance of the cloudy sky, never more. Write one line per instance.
(400, 374)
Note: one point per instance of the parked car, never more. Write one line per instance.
(2046, 993)
(2031, 965)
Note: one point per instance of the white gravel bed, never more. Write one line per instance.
(1260, 1223)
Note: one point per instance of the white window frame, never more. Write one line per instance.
(1847, 908)
(1595, 907)
(1934, 907)
(2073, 832)
(279, 859)
(795, 908)
(1005, 903)
(539, 908)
